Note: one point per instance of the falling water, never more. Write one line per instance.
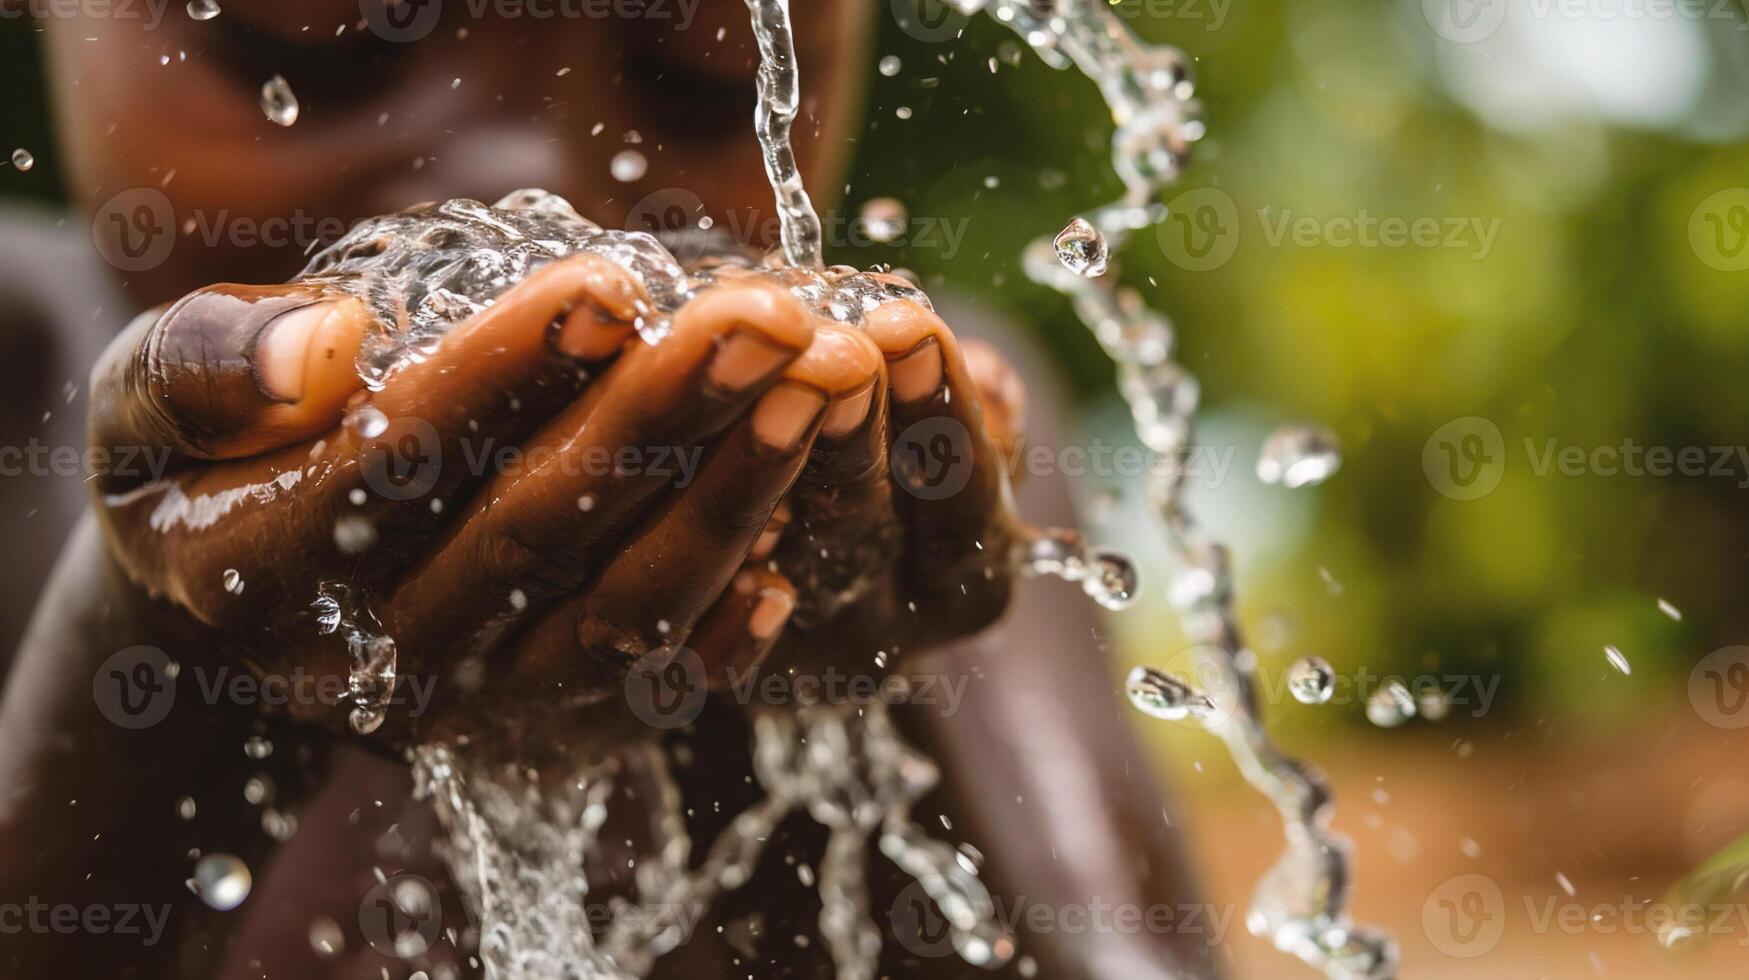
(1301, 903)
(779, 96)
(523, 844)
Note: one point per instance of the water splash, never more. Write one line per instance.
(1300, 905)
(426, 269)
(371, 669)
(523, 845)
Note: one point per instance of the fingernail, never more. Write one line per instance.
(770, 614)
(917, 375)
(785, 413)
(745, 359)
(282, 348)
(587, 336)
(847, 415)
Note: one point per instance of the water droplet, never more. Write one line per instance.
(22, 159)
(1432, 704)
(256, 747)
(354, 534)
(1160, 695)
(1618, 660)
(1390, 705)
(233, 581)
(185, 808)
(1665, 607)
(1299, 455)
(884, 219)
(278, 102)
(221, 880)
(203, 9)
(1112, 580)
(1311, 680)
(1082, 249)
(627, 166)
(326, 938)
(890, 65)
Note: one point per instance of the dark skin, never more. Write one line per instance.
(251, 391)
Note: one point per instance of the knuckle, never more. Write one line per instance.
(511, 556)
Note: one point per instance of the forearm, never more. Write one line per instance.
(99, 744)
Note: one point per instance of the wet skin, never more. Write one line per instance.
(511, 589)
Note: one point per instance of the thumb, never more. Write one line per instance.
(230, 371)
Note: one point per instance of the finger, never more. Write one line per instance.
(641, 429)
(954, 491)
(687, 551)
(841, 533)
(1002, 393)
(229, 371)
(738, 632)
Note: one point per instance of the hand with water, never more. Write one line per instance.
(539, 499)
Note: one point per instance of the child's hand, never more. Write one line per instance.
(621, 526)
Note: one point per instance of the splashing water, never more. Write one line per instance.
(523, 846)
(1300, 905)
(371, 673)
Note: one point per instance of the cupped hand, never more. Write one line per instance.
(540, 500)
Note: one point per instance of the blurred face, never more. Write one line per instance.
(419, 101)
